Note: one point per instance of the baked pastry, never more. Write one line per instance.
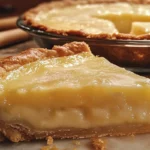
(109, 19)
(67, 92)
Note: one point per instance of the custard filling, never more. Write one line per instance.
(46, 118)
(80, 91)
(95, 18)
(139, 28)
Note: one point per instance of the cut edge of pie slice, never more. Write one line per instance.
(67, 92)
(30, 18)
(140, 28)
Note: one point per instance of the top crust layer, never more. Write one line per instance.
(30, 15)
(13, 62)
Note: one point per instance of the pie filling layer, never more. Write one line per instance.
(96, 18)
(139, 28)
(80, 118)
(81, 91)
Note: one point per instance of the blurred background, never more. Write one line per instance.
(10, 35)
(16, 7)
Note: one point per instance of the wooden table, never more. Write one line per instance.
(12, 50)
(15, 7)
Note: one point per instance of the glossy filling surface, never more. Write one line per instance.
(81, 91)
(95, 18)
(139, 28)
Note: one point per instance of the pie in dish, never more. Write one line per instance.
(67, 92)
(109, 19)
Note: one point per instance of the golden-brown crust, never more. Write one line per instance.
(13, 62)
(19, 132)
(30, 15)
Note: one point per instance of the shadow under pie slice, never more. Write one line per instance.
(67, 92)
(109, 19)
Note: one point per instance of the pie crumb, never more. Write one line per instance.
(49, 148)
(98, 144)
(45, 148)
(49, 140)
(50, 144)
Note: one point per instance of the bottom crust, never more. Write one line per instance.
(18, 132)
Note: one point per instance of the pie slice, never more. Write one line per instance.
(67, 92)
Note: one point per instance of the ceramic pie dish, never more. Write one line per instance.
(115, 29)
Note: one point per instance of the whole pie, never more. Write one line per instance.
(67, 92)
(103, 19)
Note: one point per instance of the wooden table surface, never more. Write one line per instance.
(17, 7)
(14, 49)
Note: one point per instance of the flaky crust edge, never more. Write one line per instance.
(30, 14)
(33, 54)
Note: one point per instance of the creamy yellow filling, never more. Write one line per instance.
(76, 80)
(123, 14)
(74, 91)
(94, 26)
(95, 18)
(117, 113)
(139, 28)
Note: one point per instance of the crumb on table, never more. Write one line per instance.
(49, 140)
(50, 144)
(98, 143)
(49, 148)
